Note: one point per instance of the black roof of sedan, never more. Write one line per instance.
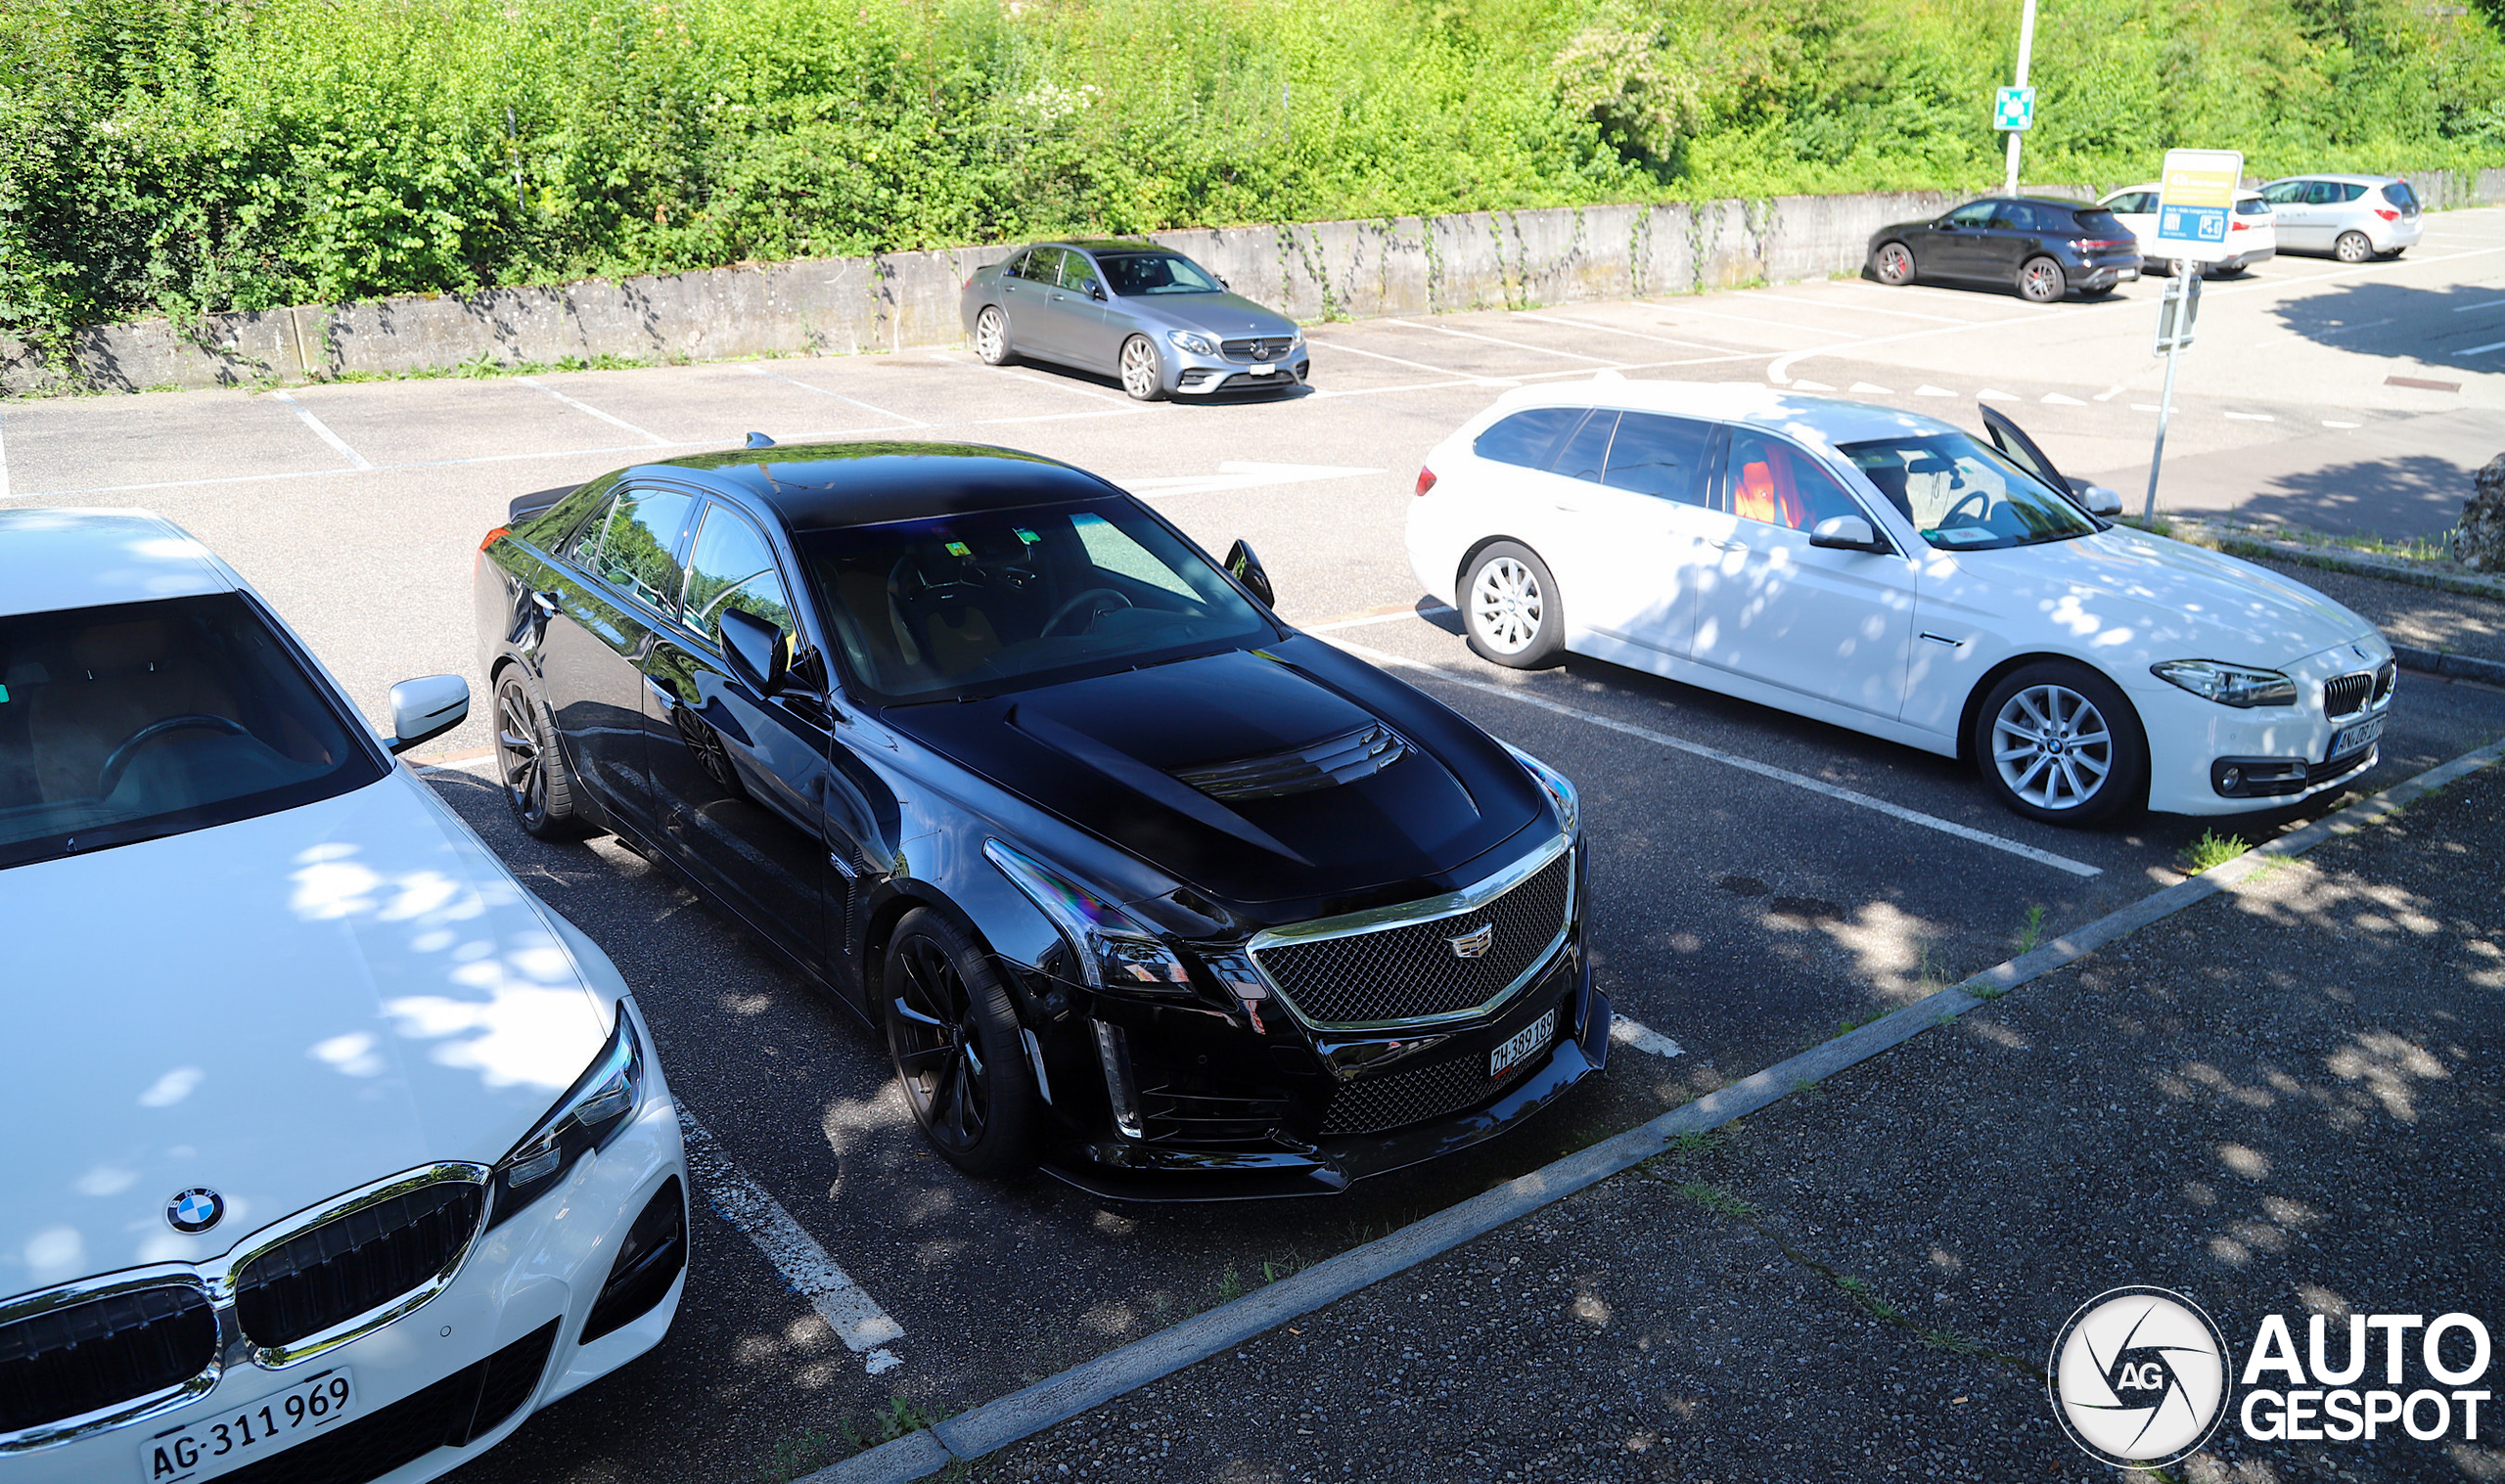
(823, 486)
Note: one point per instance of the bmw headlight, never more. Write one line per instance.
(1560, 788)
(601, 1103)
(2229, 685)
(1108, 949)
(1196, 345)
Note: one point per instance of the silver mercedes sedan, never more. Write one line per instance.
(1161, 322)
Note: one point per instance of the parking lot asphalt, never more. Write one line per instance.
(2281, 1103)
(1761, 879)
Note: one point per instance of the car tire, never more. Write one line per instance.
(991, 336)
(953, 1037)
(538, 788)
(2043, 731)
(1511, 609)
(2352, 247)
(1892, 264)
(1143, 372)
(2041, 281)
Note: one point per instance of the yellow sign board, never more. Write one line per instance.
(2194, 199)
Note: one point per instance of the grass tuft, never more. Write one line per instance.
(2212, 850)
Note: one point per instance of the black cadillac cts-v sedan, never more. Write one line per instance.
(1133, 878)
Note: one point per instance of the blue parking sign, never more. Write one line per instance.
(2197, 224)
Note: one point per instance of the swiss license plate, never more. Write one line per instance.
(1528, 1042)
(2347, 739)
(1264, 368)
(225, 1441)
(2131, 274)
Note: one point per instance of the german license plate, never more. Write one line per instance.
(225, 1441)
(1523, 1045)
(1262, 368)
(2347, 739)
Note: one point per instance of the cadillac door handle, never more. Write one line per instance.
(545, 602)
(662, 694)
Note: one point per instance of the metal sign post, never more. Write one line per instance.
(2193, 201)
(2013, 109)
(2175, 313)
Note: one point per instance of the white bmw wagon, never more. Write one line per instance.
(332, 1153)
(1894, 574)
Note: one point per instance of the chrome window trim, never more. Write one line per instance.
(218, 1278)
(1451, 904)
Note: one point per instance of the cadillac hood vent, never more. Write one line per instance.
(1326, 764)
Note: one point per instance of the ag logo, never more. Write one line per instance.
(2139, 1376)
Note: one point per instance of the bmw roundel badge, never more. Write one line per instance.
(195, 1210)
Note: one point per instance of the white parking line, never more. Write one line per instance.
(1336, 624)
(838, 396)
(536, 384)
(1731, 759)
(855, 1316)
(1742, 319)
(1570, 355)
(2250, 416)
(2491, 304)
(1861, 388)
(1659, 340)
(1442, 371)
(1627, 1031)
(338, 445)
(2483, 349)
(4, 469)
(1901, 314)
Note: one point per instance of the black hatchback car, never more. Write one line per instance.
(1133, 878)
(2042, 245)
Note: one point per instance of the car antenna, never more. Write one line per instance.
(759, 440)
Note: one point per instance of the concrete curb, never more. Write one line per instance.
(1024, 1413)
(2229, 538)
(2458, 667)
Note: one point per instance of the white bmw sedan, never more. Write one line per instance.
(333, 1153)
(1891, 573)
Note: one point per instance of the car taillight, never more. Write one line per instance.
(1425, 481)
(491, 536)
(2386, 215)
(2239, 225)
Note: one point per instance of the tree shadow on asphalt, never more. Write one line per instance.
(2392, 497)
(2381, 318)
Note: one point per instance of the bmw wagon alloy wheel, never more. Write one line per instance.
(1508, 604)
(2053, 749)
(937, 1050)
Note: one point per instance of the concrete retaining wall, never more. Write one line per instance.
(890, 302)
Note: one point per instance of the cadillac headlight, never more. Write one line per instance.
(1196, 345)
(1560, 788)
(599, 1106)
(2229, 685)
(1109, 950)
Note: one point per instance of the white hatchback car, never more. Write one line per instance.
(2251, 229)
(1888, 572)
(334, 1154)
(2351, 217)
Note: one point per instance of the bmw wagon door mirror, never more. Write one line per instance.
(2101, 500)
(423, 710)
(1244, 568)
(753, 651)
(1848, 534)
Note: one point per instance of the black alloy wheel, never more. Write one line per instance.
(1893, 263)
(954, 1039)
(2040, 281)
(2058, 742)
(537, 787)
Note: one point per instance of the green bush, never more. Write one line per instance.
(187, 156)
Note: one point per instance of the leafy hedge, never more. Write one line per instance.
(185, 156)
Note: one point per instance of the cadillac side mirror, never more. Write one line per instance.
(1850, 533)
(1244, 568)
(423, 710)
(2101, 500)
(753, 651)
